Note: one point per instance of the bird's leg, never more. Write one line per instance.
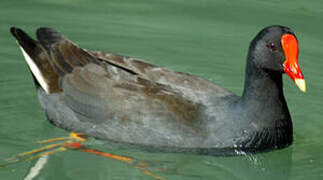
(142, 166)
(73, 136)
(74, 141)
(71, 142)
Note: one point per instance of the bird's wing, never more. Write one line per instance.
(98, 90)
(192, 86)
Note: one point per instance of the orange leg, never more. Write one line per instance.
(74, 142)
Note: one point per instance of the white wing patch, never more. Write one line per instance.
(35, 70)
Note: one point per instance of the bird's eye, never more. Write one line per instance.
(271, 46)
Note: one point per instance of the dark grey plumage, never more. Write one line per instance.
(126, 100)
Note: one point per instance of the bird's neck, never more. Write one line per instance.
(264, 105)
(262, 85)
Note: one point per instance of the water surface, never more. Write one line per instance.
(207, 38)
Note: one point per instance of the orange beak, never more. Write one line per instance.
(291, 66)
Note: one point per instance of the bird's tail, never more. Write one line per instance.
(38, 60)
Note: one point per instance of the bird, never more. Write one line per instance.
(129, 101)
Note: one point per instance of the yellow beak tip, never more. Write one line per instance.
(301, 84)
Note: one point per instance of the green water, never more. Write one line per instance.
(208, 38)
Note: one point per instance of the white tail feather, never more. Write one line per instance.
(35, 70)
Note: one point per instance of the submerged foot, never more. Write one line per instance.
(75, 141)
